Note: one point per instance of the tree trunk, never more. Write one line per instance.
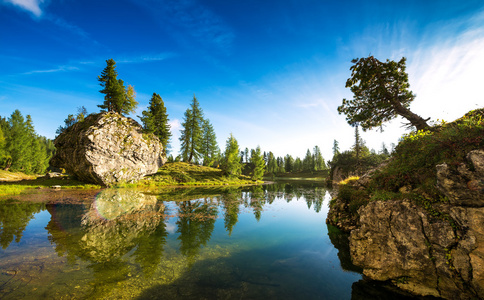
(416, 120)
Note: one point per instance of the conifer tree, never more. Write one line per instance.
(191, 134)
(289, 163)
(2, 147)
(117, 97)
(298, 164)
(231, 163)
(271, 163)
(155, 120)
(209, 149)
(258, 164)
(308, 161)
(17, 143)
(318, 160)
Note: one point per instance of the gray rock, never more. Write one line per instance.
(462, 185)
(108, 148)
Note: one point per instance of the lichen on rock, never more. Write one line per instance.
(107, 149)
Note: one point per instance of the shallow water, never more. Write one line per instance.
(263, 242)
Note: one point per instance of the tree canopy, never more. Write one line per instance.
(191, 134)
(155, 120)
(117, 97)
(381, 92)
(231, 162)
(21, 149)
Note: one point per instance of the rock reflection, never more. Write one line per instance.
(117, 222)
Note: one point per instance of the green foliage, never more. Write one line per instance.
(381, 92)
(155, 120)
(209, 149)
(191, 134)
(21, 148)
(353, 197)
(414, 159)
(258, 164)
(117, 97)
(71, 119)
(231, 165)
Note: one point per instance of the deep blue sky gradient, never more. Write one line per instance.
(270, 72)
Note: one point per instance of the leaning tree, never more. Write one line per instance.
(381, 92)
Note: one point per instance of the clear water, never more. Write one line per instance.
(264, 242)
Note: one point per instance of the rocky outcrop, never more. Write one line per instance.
(106, 149)
(464, 184)
(434, 249)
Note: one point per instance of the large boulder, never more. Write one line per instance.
(106, 149)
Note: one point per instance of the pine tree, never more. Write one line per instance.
(191, 133)
(258, 164)
(117, 97)
(231, 163)
(209, 149)
(308, 162)
(155, 120)
(17, 143)
(289, 163)
(335, 148)
(271, 163)
(318, 160)
(2, 147)
(298, 166)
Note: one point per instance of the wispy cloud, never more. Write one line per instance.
(145, 58)
(446, 75)
(54, 70)
(32, 6)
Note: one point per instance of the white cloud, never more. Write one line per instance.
(32, 6)
(145, 58)
(447, 77)
(58, 69)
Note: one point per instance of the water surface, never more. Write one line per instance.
(263, 242)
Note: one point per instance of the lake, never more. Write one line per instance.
(260, 242)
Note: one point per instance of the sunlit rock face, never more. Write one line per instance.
(437, 251)
(108, 148)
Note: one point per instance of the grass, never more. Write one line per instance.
(411, 171)
(307, 176)
(21, 182)
(413, 163)
(185, 174)
(170, 175)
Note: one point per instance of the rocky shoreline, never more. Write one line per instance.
(429, 249)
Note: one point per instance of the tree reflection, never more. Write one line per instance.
(231, 204)
(14, 218)
(196, 222)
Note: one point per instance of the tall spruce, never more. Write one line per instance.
(155, 120)
(117, 97)
(231, 165)
(191, 134)
(318, 160)
(308, 162)
(23, 150)
(258, 164)
(209, 148)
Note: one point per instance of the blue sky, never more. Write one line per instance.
(270, 72)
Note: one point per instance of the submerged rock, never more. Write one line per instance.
(108, 148)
